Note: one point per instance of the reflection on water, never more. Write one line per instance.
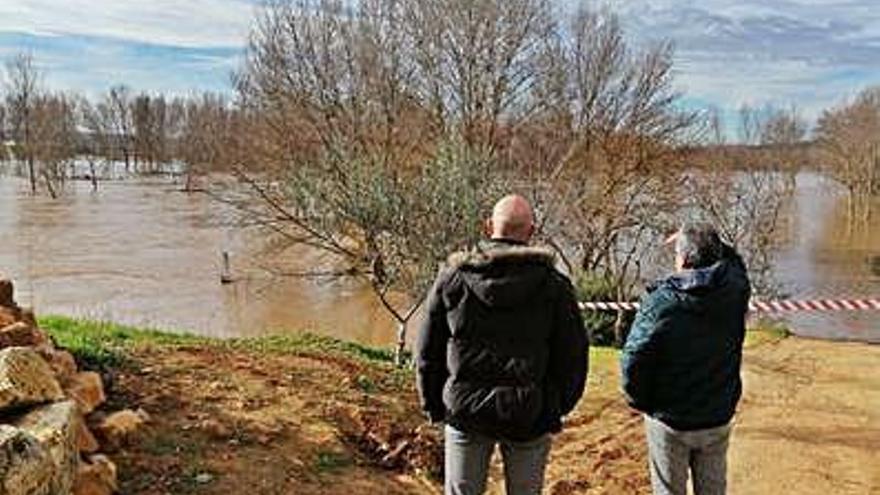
(830, 257)
(143, 253)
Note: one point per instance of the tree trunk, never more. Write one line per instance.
(400, 350)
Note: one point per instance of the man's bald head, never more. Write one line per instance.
(512, 218)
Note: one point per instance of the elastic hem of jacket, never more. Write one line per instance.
(691, 426)
(467, 426)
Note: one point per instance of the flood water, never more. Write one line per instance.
(143, 253)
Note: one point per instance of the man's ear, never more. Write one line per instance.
(488, 227)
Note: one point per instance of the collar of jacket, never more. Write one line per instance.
(695, 279)
(501, 250)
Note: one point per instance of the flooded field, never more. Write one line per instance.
(141, 252)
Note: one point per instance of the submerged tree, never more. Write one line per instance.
(849, 136)
(22, 85)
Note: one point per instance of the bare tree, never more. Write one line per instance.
(54, 138)
(116, 114)
(745, 190)
(602, 154)
(849, 136)
(97, 142)
(22, 83)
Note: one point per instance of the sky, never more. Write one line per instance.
(808, 53)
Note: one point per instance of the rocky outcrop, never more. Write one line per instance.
(25, 466)
(25, 379)
(55, 427)
(46, 447)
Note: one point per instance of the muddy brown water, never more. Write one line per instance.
(143, 253)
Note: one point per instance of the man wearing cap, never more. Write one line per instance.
(681, 362)
(501, 355)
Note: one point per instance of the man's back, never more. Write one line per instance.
(513, 344)
(681, 364)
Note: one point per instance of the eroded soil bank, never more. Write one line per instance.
(310, 416)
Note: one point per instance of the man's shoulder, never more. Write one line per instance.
(659, 297)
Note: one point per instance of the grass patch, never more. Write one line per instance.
(766, 331)
(99, 344)
(331, 462)
(312, 343)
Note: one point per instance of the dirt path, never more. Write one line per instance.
(810, 420)
(227, 420)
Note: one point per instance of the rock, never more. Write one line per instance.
(25, 379)
(55, 427)
(85, 439)
(28, 316)
(215, 429)
(119, 428)
(62, 363)
(96, 477)
(87, 389)
(9, 315)
(25, 466)
(18, 334)
(204, 478)
(7, 292)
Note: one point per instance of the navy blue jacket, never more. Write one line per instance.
(681, 361)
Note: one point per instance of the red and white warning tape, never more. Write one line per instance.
(765, 306)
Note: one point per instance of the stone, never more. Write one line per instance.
(7, 293)
(18, 334)
(9, 315)
(215, 429)
(85, 439)
(62, 363)
(55, 427)
(25, 379)
(96, 477)
(25, 466)
(204, 478)
(119, 428)
(87, 389)
(28, 316)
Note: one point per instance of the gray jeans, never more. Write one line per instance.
(467, 463)
(672, 453)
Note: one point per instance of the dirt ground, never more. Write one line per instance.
(810, 420)
(230, 421)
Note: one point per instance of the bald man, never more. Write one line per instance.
(501, 356)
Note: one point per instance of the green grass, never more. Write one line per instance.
(764, 331)
(100, 344)
(331, 462)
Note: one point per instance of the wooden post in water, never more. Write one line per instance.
(226, 274)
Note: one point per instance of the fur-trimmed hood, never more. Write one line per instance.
(497, 251)
(503, 273)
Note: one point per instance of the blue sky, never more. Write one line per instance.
(729, 52)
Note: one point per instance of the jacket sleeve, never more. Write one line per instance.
(569, 351)
(430, 358)
(638, 360)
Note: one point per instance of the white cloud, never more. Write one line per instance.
(188, 23)
(810, 52)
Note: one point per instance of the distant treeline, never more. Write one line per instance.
(46, 130)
